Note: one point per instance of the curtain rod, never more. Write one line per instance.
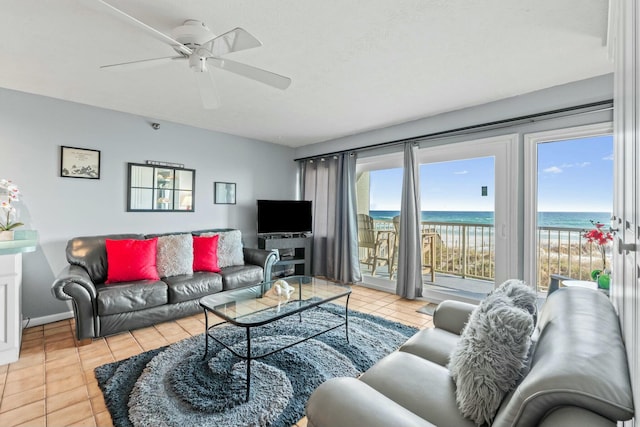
(498, 124)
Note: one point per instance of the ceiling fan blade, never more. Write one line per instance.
(258, 74)
(208, 89)
(232, 41)
(142, 63)
(150, 30)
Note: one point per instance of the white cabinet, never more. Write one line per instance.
(10, 307)
(11, 292)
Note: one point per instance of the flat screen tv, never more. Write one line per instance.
(284, 216)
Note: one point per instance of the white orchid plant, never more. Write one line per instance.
(8, 193)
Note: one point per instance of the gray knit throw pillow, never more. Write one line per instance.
(229, 247)
(175, 255)
(489, 357)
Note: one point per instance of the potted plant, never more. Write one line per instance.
(601, 239)
(8, 214)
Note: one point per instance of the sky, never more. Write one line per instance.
(573, 175)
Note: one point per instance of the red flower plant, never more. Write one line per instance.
(600, 238)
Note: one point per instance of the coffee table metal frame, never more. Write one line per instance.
(237, 321)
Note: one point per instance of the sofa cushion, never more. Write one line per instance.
(489, 357)
(239, 276)
(435, 345)
(229, 248)
(175, 255)
(131, 296)
(131, 260)
(205, 253)
(188, 287)
(363, 407)
(418, 385)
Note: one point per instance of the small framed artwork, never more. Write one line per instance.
(224, 193)
(79, 163)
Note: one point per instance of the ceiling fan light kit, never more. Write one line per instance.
(194, 41)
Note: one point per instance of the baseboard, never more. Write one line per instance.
(37, 321)
(384, 285)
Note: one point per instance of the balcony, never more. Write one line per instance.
(463, 256)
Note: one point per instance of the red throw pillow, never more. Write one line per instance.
(129, 260)
(205, 254)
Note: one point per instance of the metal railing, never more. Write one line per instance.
(468, 250)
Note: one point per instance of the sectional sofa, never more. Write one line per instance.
(575, 373)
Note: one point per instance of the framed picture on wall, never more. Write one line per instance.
(79, 163)
(224, 193)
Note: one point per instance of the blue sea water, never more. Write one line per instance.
(580, 220)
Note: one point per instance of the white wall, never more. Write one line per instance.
(32, 129)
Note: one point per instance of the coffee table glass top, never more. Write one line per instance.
(266, 302)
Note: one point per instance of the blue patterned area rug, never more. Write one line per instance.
(172, 386)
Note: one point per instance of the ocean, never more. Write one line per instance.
(580, 220)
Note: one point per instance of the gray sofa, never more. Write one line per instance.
(101, 310)
(577, 374)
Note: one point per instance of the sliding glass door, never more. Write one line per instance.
(458, 224)
(468, 216)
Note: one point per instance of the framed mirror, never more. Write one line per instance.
(160, 188)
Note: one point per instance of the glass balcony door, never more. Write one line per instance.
(468, 191)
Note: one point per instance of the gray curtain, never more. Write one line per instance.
(409, 282)
(331, 185)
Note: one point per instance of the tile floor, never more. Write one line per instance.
(52, 384)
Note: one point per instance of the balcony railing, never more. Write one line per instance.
(468, 250)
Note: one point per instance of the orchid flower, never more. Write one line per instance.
(10, 192)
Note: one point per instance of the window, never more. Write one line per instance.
(569, 183)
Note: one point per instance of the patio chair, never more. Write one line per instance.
(428, 250)
(374, 242)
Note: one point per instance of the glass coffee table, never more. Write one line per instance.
(267, 302)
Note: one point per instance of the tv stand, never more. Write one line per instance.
(300, 249)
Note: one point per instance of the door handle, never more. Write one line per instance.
(629, 247)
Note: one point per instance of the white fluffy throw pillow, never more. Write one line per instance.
(522, 296)
(229, 248)
(175, 255)
(489, 358)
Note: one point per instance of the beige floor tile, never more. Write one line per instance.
(93, 362)
(26, 384)
(103, 419)
(27, 360)
(70, 414)
(67, 398)
(36, 422)
(63, 385)
(63, 372)
(97, 404)
(22, 414)
(23, 398)
(60, 353)
(24, 373)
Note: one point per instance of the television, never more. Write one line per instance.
(284, 216)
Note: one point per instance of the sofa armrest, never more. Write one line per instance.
(74, 284)
(348, 402)
(571, 416)
(554, 282)
(452, 315)
(263, 258)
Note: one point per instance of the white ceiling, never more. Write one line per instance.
(356, 65)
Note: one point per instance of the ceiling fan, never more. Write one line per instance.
(197, 45)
